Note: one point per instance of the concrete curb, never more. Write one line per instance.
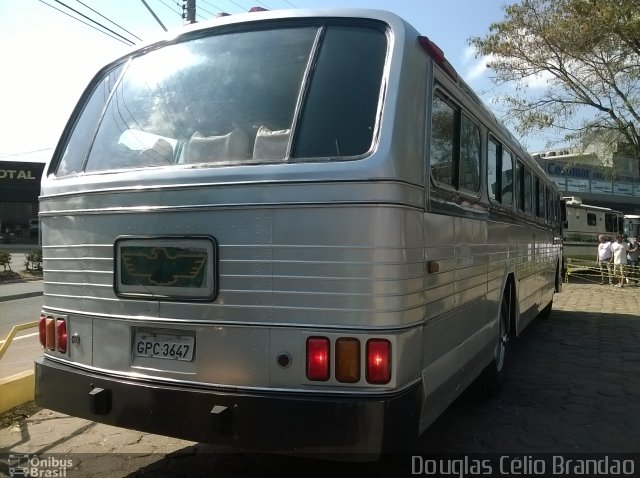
(24, 295)
(16, 390)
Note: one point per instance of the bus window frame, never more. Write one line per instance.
(459, 112)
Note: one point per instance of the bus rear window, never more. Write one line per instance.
(234, 98)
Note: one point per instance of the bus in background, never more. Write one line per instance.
(583, 224)
(632, 225)
(290, 231)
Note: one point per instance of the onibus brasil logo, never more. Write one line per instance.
(35, 466)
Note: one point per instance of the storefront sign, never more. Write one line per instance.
(20, 181)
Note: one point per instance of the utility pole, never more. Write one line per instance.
(189, 11)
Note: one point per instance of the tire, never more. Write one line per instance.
(546, 312)
(494, 375)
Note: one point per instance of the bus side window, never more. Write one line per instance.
(528, 192)
(469, 156)
(493, 165)
(609, 221)
(520, 176)
(442, 141)
(541, 211)
(507, 178)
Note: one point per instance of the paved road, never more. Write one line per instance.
(573, 387)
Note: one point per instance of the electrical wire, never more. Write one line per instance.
(126, 42)
(206, 11)
(109, 20)
(244, 9)
(212, 5)
(94, 21)
(171, 8)
(264, 5)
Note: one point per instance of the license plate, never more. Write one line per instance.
(164, 346)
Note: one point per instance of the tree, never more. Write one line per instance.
(589, 53)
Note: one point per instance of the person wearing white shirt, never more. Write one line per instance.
(604, 258)
(619, 250)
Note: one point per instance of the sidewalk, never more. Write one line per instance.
(20, 289)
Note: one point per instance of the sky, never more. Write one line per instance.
(48, 58)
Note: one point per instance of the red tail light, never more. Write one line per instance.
(42, 330)
(378, 361)
(61, 335)
(318, 358)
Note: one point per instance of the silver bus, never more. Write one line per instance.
(287, 231)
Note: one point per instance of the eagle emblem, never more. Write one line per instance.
(163, 266)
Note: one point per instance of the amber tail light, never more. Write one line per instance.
(348, 360)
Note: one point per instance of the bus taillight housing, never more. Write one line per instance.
(52, 333)
(378, 352)
(347, 360)
(348, 363)
(318, 358)
(61, 336)
(42, 330)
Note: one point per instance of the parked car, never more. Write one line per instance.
(34, 227)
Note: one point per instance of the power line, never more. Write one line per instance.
(206, 11)
(237, 4)
(92, 20)
(23, 153)
(170, 7)
(109, 20)
(126, 42)
(264, 5)
(212, 5)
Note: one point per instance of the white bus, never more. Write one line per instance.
(583, 224)
(289, 231)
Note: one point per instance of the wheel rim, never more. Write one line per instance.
(500, 351)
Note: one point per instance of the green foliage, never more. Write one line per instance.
(586, 56)
(33, 260)
(5, 260)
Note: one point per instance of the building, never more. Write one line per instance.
(606, 182)
(19, 191)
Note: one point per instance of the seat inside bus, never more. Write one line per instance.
(212, 149)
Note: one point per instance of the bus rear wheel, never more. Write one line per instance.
(496, 372)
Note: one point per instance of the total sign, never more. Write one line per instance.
(20, 181)
(16, 174)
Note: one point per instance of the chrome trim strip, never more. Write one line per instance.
(214, 323)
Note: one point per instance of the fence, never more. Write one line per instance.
(601, 273)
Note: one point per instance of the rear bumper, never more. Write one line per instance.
(275, 422)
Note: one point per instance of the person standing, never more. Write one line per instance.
(632, 259)
(619, 249)
(604, 258)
